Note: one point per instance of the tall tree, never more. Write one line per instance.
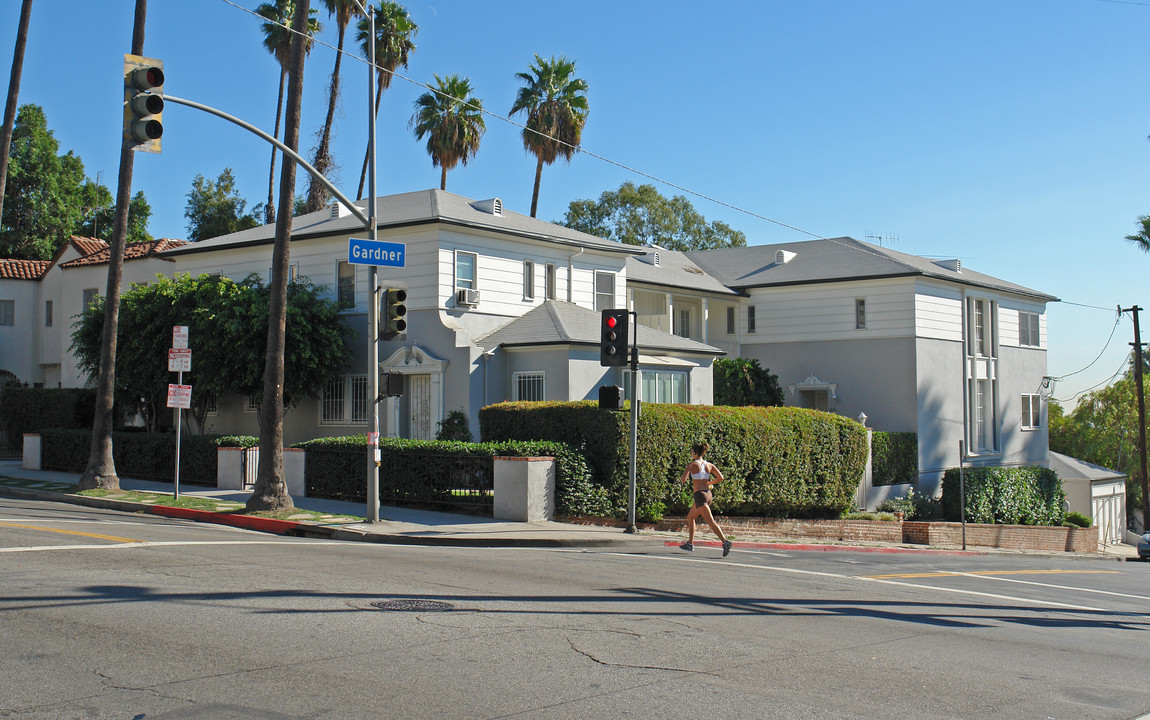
(394, 41)
(270, 492)
(101, 469)
(640, 215)
(451, 119)
(556, 106)
(342, 11)
(277, 41)
(216, 208)
(1141, 239)
(44, 193)
(13, 95)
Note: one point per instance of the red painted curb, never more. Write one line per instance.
(248, 522)
(826, 548)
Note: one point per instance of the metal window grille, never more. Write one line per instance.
(332, 402)
(529, 386)
(359, 401)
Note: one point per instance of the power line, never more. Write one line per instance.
(1117, 319)
(1107, 381)
(577, 148)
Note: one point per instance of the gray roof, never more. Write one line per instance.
(1068, 468)
(416, 208)
(835, 260)
(675, 270)
(555, 322)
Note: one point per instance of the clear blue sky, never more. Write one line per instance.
(1009, 133)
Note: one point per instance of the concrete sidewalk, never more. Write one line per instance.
(427, 527)
(397, 525)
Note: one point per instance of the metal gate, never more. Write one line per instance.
(249, 465)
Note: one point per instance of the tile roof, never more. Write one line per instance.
(23, 269)
(132, 251)
(87, 246)
(556, 322)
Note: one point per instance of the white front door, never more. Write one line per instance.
(419, 407)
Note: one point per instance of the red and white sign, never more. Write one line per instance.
(179, 360)
(180, 337)
(180, 396)
(373, 438)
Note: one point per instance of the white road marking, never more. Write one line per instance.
(1052, 585)
(168, 543)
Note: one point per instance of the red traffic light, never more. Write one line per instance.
(611, 322)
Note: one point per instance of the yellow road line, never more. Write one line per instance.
(990, 573)
(72, 532)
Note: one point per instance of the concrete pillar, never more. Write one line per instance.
(524, 488)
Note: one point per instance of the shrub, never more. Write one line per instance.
(786, 462)
(31, 410)
(880, 516)
(453, 427)
(904, 505)
(740, 381)
(1028, 495)
(1077, 519)
(894, 458)
(147, 456)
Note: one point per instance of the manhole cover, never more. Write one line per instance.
(413, 605)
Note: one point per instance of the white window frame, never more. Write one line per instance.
(212, 406)
(732, 319)
(343, 401)
(340, 287)
(88, 297)
(528, 279)
(662, 381)
(1029, 329)
(462, 283)
(750, 319)
(683, 326)
(519, 379)
(293, 273)
(7, 312)
(549, 281)
(860, 313)
(602, 297)
(251, 404)
(1031, 411)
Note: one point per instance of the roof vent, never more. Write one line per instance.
(491, 206)
(338, 210)
(655, 259)
(784, 256)
(954, 265)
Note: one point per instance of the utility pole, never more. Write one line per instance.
(1141, 417)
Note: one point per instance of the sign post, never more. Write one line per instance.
(179, 395)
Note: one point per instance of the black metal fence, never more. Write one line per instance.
(9, 453)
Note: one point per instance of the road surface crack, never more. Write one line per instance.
(591, 657)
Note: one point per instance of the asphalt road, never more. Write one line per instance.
(113, 615)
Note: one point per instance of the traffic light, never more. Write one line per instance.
(394, 314)
(143, 102)
(613, 338)
(610, 397)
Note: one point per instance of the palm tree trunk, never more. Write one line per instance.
(443, 179)
(270, 492)
(535, 193)
(101, 469)
(367, 150)
(270, 210)
(13, 96)
(316, 192)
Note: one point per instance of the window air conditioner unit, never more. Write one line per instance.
(467, 297)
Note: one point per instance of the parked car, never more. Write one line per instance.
(1144, 547)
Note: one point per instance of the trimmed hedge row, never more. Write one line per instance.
(894, 458)
(148, 456)
(1030, 495)
(781, 462)
(30, 410)
(337, 468)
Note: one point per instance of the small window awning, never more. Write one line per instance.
(665, 361)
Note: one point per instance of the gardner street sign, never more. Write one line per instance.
(376, 252)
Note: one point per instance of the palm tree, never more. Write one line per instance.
(277, 41)
(394, 30)
(13, 96)
(452, 120)
(1142, 238)
(342, 11)
(556, 105)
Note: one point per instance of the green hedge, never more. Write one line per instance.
(1028, 495)
(894, 458)
(30, 410)
(337, 468)
(147, 456)
(783, 462)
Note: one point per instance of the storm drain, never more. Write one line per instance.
(413, 605)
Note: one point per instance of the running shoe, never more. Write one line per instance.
(726, 547)
(687, 546)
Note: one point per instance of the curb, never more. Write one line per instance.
(746, 545)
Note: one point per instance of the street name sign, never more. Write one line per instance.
(376, 252)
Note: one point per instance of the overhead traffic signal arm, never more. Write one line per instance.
(143, 103)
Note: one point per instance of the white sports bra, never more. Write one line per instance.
(704, 473)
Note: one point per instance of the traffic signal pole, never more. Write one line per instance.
(631, 490)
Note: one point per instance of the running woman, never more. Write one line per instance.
(700, 472)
